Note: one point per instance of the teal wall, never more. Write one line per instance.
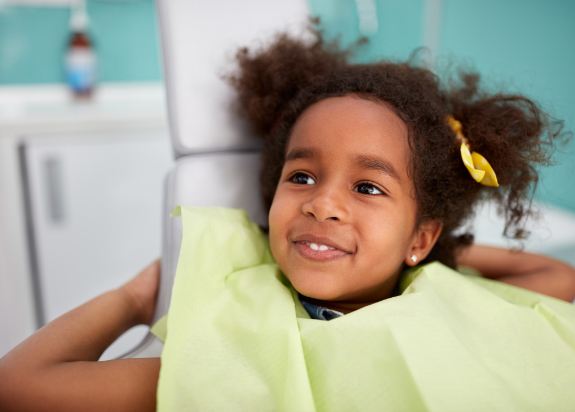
(517, 45)
(524, 45)
(399, 28)
(33, 40)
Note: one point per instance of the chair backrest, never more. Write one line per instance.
(217, 160)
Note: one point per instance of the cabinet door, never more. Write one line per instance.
(94, 209)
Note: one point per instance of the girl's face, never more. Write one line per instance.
(343, 218)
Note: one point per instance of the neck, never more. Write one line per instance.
(351, 304)
(343, 307)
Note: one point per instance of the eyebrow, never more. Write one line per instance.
(365, 161)
(300, 153)
(377, 164)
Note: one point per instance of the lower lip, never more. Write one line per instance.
(319, 255)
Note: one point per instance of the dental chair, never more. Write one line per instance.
(216, 159)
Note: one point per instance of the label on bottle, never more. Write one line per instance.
(81, 69)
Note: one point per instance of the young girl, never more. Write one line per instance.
(364, 177)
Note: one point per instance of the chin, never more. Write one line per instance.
(326, 292)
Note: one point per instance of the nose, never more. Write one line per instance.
(326, 203)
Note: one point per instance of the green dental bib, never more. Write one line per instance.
(238, 339)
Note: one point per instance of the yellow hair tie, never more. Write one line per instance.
(478, 166)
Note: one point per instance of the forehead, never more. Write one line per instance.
(349, 126)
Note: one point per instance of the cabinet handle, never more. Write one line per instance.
(54, 190)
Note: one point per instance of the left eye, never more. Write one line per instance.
(368, 189)
(302, 179)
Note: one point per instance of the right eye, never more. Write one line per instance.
(301, 178)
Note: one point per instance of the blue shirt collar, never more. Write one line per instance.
(319, 312)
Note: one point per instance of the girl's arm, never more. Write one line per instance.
(527, 270)
(56, 369)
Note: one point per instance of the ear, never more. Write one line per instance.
(423, 241)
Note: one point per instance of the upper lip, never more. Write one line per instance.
(308, 237)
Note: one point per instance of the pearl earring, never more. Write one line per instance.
(413, 258)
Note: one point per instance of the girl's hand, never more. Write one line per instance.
(142, 292)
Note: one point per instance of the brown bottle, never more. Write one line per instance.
(80, 57)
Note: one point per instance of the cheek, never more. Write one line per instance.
(275, 215)
(283, 208)
(389, 234)
(277, 221)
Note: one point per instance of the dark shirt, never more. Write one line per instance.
(319, 312)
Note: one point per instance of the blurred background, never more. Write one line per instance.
(84, 142)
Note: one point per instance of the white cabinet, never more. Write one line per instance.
(84, 195)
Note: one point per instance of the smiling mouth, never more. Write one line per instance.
(315, 250)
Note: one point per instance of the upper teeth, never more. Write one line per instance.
(320, 247)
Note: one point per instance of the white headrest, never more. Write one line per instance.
(199, 40)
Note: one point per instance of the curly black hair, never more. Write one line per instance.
(276, 83)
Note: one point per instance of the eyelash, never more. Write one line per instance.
(381, 192)
(293, 177)
(371, 186)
